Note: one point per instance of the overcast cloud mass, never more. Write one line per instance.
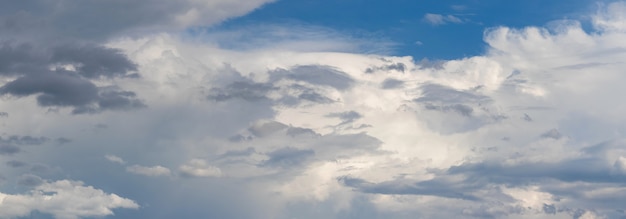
(147, 109)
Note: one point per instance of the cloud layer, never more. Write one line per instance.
(184, 127)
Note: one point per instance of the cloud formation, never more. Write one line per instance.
(63, 199)
(532, 128)
(439, 19)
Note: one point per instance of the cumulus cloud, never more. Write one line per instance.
(532, 128)
(63, 199)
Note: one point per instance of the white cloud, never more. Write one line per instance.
(63, 199)
(115, 159)
(439, 19)
(199, 168)
(611, 17)
(149, 171)
(306, 130)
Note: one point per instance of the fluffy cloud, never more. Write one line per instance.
(63, 199)
(533, 128)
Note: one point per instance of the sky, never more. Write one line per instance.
(312, 109)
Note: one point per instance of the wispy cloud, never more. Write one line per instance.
(439, 19)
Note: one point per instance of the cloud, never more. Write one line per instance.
(62, 76)
(7, 149)
(63, 199)
(154, 15)
(438, 19)
(15, 163)
(199, 168)
(610, 18)
(29, 180)
(115, 159)
(149, 171)
(287, 157)
(531, 128)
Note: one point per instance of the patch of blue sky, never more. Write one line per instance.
(441, 29)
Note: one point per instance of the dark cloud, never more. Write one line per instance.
(346, 117)
(244, 90)
(16, 163)
(553, 134)
(287, 157)
(54, 89)
(29, 180)
(239, 153)
(527, 118)
(267, 128)
(461, 109)
(400, 67)
(63, 140)
(113, 99)
(94, 61)
(433, 64)
(67, 87)
(24, 140)
(315, 97)
(239, 138)
(582, 169)
(332, 146)
(549, 209)
(316, 75)
(436, 93)
(391, 83)
(7, 149)
(399, 187)
(297, 131)
(4, 114)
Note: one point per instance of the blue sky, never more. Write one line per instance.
(402, 21)
(312, 109)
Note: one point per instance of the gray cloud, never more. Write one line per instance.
(24, 140)
(400, 67)
(16, 163)
(399, 187)
(58, 18)
(287, 157)
(263, 129)
(552, 133)
(346, 117)
(63, 140)
(244, 90)
(7, 149)
(67, 88)
(391, 83)
(94, 61)
(29, 180)
(316, 75)
(442, 94)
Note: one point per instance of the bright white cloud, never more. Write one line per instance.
(63, 199)
(530, 129)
